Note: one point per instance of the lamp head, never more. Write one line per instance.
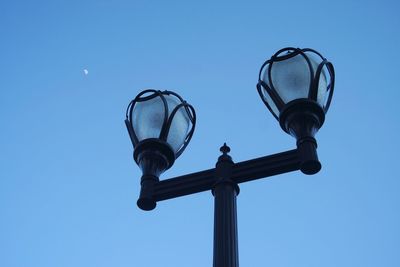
(160, 125)
(297, 86)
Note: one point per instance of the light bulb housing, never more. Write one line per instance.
(297, 87)
(160, 125)
(292, 74)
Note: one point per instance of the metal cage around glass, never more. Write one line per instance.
(292, 74)
(163, 116)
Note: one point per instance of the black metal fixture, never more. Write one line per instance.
(297, 87)
(160, 125)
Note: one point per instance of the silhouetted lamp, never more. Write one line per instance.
(160, 125)
(297, 86)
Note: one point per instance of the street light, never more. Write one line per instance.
(295, 84)
(297, 87)
(160, 125)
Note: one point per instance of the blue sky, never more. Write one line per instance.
(68, 184)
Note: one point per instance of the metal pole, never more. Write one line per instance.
(225, 215)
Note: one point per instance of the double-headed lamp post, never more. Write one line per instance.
(295, 84)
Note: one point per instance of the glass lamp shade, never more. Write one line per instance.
(161, 115)
(292, 74)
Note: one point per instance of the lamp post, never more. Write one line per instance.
(295, 84)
